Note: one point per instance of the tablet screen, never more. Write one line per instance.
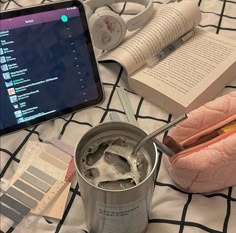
(47, 65)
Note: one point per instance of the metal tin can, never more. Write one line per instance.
(116, 211)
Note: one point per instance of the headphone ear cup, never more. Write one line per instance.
(107, 29)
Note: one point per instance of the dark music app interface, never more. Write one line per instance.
(44, 65)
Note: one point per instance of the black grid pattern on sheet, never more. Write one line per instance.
(181, 224)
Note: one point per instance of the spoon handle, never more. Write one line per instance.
(158, 131)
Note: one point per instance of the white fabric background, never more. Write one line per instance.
(173, 211)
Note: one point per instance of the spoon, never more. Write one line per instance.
(157, 132)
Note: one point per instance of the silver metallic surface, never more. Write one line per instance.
(116, 211)
(157, 132)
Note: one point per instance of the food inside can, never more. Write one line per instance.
(108, 163)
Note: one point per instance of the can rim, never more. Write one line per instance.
(119, 190)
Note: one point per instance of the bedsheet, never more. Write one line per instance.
(173, 210)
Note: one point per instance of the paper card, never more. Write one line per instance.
(35, 162)
(32, 156)
(56, 211)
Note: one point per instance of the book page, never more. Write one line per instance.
(192, 68)
(167, 25)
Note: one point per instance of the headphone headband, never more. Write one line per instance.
(93, 4)
(135, 22)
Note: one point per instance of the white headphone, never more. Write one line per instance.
(108, 29)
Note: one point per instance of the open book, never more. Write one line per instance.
(191, 75)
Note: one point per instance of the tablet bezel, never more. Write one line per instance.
(55, 6)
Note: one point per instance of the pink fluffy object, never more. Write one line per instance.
(211, 165)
